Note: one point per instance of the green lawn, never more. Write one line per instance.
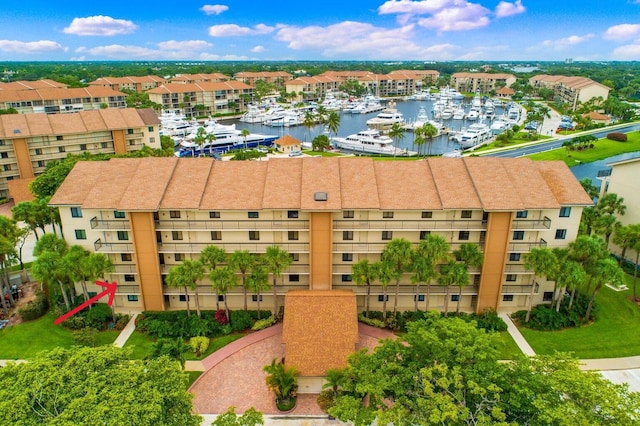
(508, 349)
(604, 148)
(519, 139)
(140, 345)
(614, 334)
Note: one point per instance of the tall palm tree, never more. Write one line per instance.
(418, 139)
(276, 260)
(258, 280)
(470, 256)
(244, 133)
(398, 253)
(308, 122)
(628, 237)
(544, 263)
(211, 138)
(211, 257)
(384, 273)
(333, 122)
(397, 134)
(182, 277)
(430, 252)
(321, 113)
(222, 280)
(242, 261)
(363, 273)
(194, 272)
(201, 137)
(429, 131)
(452, 273)
(606, 270)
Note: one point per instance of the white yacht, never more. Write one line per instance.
(475, 134)
(369, 141)
(458, 112)
(386, 119)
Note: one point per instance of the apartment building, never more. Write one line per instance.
(31, 85)
(312, 88)
(135, 84)
(215, 77)
(572, 90)
(328, 213)
(202, 99)
(55, 100)
(472, 82)
(29, 141)
(277, 78)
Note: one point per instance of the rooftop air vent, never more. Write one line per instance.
(16, 131)
(320, 196)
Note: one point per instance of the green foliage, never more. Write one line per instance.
(617, 136)
(171, 348)
(264, 323)
(98, 315)
(251, 417)
(94, 386)
(86, 336)
(320, 143)
(247, 154)
(489, 320)
(283, 382)
(35, 309)
(545, 318)
(371, 321)
(199, 344)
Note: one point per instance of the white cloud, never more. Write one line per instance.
(232, 30)
(257, 49)
(504, 9)
(622, 32)
(467, 16)
(445, 15)
(214, 9)
(189, 45)
(561, 43)
(630, 52)
(214, 57)
(100, 26)
(407, 7)
(40, 46)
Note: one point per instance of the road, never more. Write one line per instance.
(557, 143)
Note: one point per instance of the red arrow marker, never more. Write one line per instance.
(110, 290)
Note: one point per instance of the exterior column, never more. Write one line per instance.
(147, 263)
(320, 250)
(119, 143)
(495, 255)
(23, 158)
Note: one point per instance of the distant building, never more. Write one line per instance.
(215, 77)
(287, 144)
(598, 118)
(505, 92)
(55, 100)
(135, 84)
(277, 78)
(312, 88)
(471, 82)
(572, 90)
(29, 141)
(32, 85)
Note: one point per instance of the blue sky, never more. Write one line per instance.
(395, 30)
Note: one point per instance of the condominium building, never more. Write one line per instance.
(31, 85)
(482, 82)
(215, 77)
(29, 141)
(61, 100)
(328, 213)
(134, 83)
(312, 88)
(277, 78)
(572, 90)
(202, 99)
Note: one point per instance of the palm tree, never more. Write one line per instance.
(222, 280)
(470, 256)
(544, 263)
(321, 113)
(568, 278)
(418, 139)
(244, 133)
(606, 270)
(429, 131)
(452, 273)
(211, 137)
(333, 122)
(258, 280)
(383, 271)
(200, 139)
(176, 278)
(396, 133)
(335, 378)
(276, 261)
(242, 261)
(308, 122)
(74, 261)
(193, 271)
(212, 256)
(363, 273)
(429, 253)
(398, 253)
(281, 380)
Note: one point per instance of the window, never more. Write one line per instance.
(511, 277)
(129, 131)
(348, 214)
(455, 297)
(216, 235)
(465, 214)
(38, 151)
(507, 298)
(294, 278)
(4, 155)
(129, 278)
(420, 297)
(214, 215)
(253, 215)
(292, 214)
(427, 215)
(514, 257)
(123, 235)
(518, 235)
(176, 235)
(183, 298)
(254, 235)
(565, 211)
(104, 145)
(81, 234)
(41, 163)
(561, 234)
(292, 235)
(387, 235)
(126, 257)
(347, 235)
(381, 298)
(118, 215)
(179, 257)
(254, 298)
(150, 128)
(423, 234)
(7, 167)
(61, 149)
(132, 297)
(476, 280)
(83, 147)
(463, 235)
(174, 214)
(387, 215)
(522, 214)
(347, 257)
(76, 212)
(547, 296)
(59, 138)
(295, 256)
(346, 278)
(221, 298)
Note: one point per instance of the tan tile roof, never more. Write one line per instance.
(320, 330)
(81, 181)
(287, 140)
(574, 82)
(595, 115)
(350, 183)
(483, 75)
(128, 80)
(19, 190)
(205, 86)
(30, 85)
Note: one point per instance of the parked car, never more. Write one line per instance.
(295, 153)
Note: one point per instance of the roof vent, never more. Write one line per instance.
(16, 131)
(320, 196)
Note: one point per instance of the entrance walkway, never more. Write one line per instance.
(516, 335)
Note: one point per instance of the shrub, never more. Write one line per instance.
(86, 336)
(326, 400)
(241, 320)
(617, 136)
(544, 318)
(36, 309)
(490, 321)
(264, 323)
(199, 344)
(98, 316)
(221, 317)
(371, 321)
(76, 322)
(121, 321)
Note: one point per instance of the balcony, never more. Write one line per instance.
(525, 247)
(532, 223)
(109, 224)
(226, 225)
(410, 224)
(515, 268)
(187, 247)
(125, 269)
(100, 245)
(519, 289)
(127, 289)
